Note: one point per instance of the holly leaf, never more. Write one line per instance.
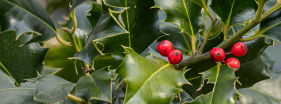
(96, 86)
(95, 13)
(270, 87)
(211, 43)
(57, 57)
(252, 63)
(254, 96)
(109, 33)
(140, 20)
(20, 62)
(51, 88)
(26, 16)
(144, 75)
(224, 90)
(16, 95)
(84, 26)
(180, 40)
(107, 28)
(186, 14)
(234, 11)
(111, 60)
(270, 27)
(267, 91)
(50, 71)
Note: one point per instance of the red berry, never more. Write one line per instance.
(239, 49)
(175, 56)
(218, 54)
(233, 62)
(165, 47)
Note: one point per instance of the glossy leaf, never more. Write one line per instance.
(57, 57)
(252, 64)
(224, 91)
(249, 73)
(144, 75)
(83, 24)
(140, 20)
(10, 94)
(271, 86)
(20, 62)
(113, 61)
(52, 88)
(107, 29)
(211, 43)
(267, 91)
(180, 40)
(200, 2)
(270, 27)
(184, 13)
(269, 4)
(95, 13)
(96, 86)
(234, 11)
(26, 16)
(254, 96)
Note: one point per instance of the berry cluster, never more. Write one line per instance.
(166, 48)
(239, 49)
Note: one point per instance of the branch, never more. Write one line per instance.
(226, 43)
(207, 36)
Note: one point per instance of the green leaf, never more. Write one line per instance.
(249, 73)
(224, 91)
(83, 24)
(10, 94)
(107, 60)
(253, 69)
(144, 75)
(76, 3)
(184, 13)
(252, 72)
(234, 11)
(211, 43)
(271, 86)
(51, 88)
(26, 16)
(270, 27)
(57, 57)
(95, 13)
(109, 34)
(107, 31)
(200, 2)
(96, 86)
(50, 71)
(269, 4)
(254, 96)
(20, 62)
(180, 40)
(194, 91)
(140, 20)
(52, 5)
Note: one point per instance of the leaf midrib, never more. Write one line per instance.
(148, 79)
(218, 72)
(229, 16)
